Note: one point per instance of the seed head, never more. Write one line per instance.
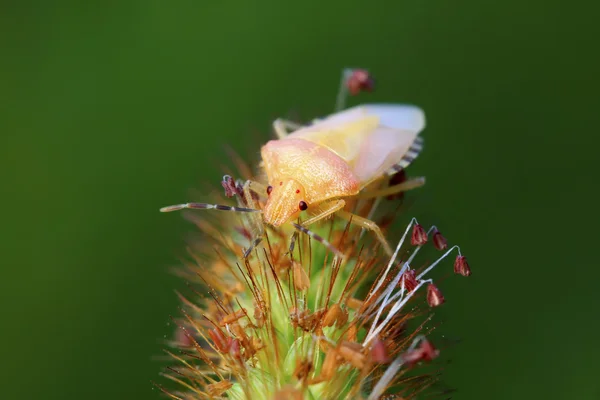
(306, 323)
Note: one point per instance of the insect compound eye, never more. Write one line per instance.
(269, 189)
(302, 206)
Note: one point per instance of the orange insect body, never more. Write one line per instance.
(313, 168)
(299, 170)
(338, 157)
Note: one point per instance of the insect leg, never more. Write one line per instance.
(318, 238)
(281, 127)
(255, 221)
(335, 206)
(401, 187)
(367, 224)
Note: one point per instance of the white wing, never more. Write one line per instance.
(374, 139)
(399, 116)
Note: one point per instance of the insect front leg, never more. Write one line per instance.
(367, 224)
(281, 127)
(256, 221)
(331, 207)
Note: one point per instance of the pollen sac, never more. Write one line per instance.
(222, 343)
(354, 303)
(218, 388)
(304, 319)
(303, 369)
(429, 352)
(330, 364)
(461, 266)
(229, 186)
(239, 188)
(434, 296)
(425, 352)
(184, 338)
(439, 241)
(352, 353)
(419, 236)
(239, 333)
(335, 315)
(232, 317)
(379, 353)
(301, 280)
(253, 346)
(410, 280)
(259, 314)
(351, 333)
(235, 349)
(360, 80)
(289, 393)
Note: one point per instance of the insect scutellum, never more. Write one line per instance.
(316, 169)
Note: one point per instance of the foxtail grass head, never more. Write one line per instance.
(276, 311)
(310, 323)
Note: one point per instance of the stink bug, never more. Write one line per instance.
(314, 168)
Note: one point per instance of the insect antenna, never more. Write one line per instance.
(205, 206)
(313, 235)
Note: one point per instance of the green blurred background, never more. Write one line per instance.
(109, 111)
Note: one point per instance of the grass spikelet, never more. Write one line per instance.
(310, 323)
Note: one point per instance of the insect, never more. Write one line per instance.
(312, 170)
